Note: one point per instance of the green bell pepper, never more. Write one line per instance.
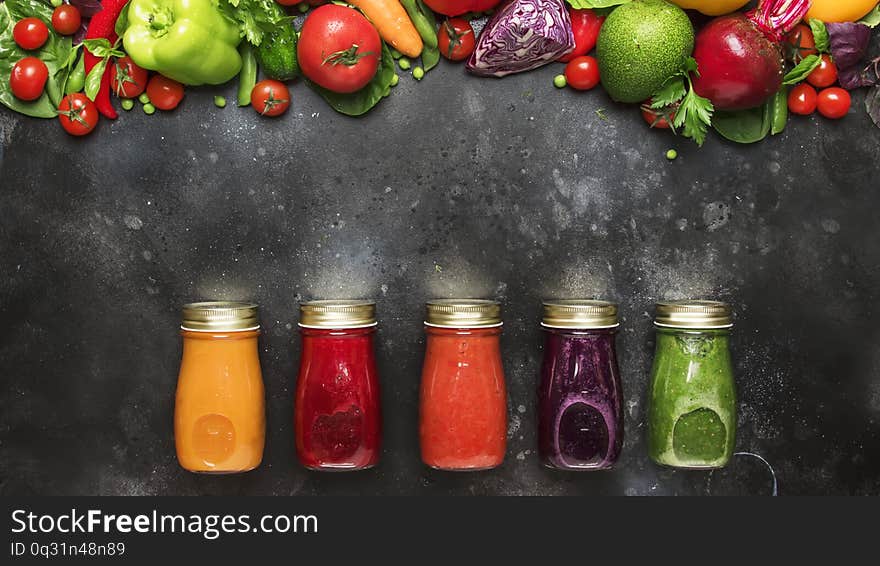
(190, 41)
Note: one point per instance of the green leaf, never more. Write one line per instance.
(743, 126)
(592, 4)
(695, 114)
(122, 21)
(54, 53)
(670, 93)
(360, 102)
(93, 79)
(804, 68)
(820, 35)
(873, 18)
(101, 48)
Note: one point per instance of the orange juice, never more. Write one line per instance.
(219, 413)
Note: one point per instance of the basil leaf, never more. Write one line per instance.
(820, 35)
(54, 53)
(803, 69)
(872, 20)
(93, 79)
(743, 126)
(98, 47)
(360, 102)
(872, 105)
(122, 21)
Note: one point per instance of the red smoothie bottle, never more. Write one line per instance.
(336, 414)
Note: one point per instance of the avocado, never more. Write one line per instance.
(276, 54)
(640, 46)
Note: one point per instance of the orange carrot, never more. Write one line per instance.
(393, 24)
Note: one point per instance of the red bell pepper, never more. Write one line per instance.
(586, 25)
(459, 7)
(103, 25)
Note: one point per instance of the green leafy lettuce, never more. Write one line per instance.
(360, 102)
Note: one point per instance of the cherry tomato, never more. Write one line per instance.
(66, 19)
(28, 78)
(78, 115)
(30, 33)
(800, 43)
(834, 103)
(456, 39)
(164, 93)
(582, 73)
(802, 100)
(127, 79)
(270, 98)
(823, 75)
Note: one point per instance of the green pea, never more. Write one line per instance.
(149, 109)
(396, 54)
(219, 102)
(127, 104)
(143, 98)
(671, 155)
(559, 81)
(394, 80)
(418, 73)
(303, 8)
(403, 63)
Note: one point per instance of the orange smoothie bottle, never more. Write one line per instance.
(219, 412)
(463, 406)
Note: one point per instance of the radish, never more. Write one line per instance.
(740, 56)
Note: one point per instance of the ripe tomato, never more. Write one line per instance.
(834, 103)
(800, 43)
(339, 49)
(78, 115)
(164, 93)
(802, 100)
(456, 39)
(825, 74)
(582, 73)
(30, 33)
(585, 25)
(127, 79)
(66, 19)
(270, 98)
(28, 78)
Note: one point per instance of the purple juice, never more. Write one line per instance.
(580, 406)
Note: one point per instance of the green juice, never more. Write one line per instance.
(692, 409)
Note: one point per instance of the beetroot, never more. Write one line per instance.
(740, 57)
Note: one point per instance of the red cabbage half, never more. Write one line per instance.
(521, 36)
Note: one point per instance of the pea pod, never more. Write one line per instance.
(247, 78)
(424, 24)
(779, 111)
(76, 80)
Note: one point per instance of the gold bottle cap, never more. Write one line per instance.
(220, 316)
(694, 314)
(463, 313)
(580, 313)
(337, 314)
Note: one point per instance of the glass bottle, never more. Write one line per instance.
(692, 405)
(219, 411)
(463, 402)
(336, 414)
(580, 399)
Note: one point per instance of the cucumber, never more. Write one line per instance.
(276, 54)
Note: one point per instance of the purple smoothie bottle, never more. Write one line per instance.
(580, 401)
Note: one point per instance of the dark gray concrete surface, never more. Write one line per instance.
(454, 186)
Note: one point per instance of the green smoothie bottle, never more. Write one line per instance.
(692, 406)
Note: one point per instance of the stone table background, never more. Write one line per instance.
(454, 186)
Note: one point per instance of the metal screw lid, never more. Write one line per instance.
(694, 314)
(220, 316)
(580, 313)
(337, 314)
(463, 313)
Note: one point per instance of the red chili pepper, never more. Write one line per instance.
(103, 26)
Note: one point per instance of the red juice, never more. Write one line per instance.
(337, 416)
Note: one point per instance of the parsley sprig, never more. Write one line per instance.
(693, 114)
